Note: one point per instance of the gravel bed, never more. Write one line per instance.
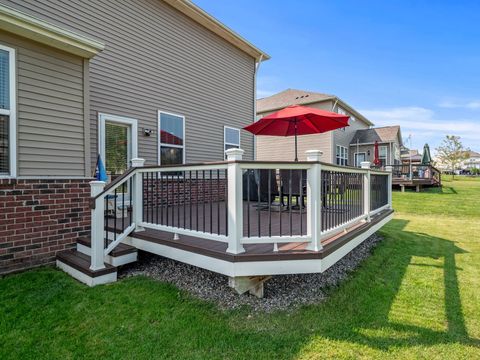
(280, 292)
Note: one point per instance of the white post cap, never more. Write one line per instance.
(234, 154)
(96, 187)
(314, 155)
(365, 164)
(389, 168)
(137, 162)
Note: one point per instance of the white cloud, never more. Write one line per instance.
(267, 85)
(450, 104)
(424, 126)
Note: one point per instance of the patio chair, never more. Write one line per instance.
(296, 177)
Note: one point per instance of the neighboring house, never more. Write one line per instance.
(472, 162)
(334, 144)
(412, 156)
(160, 80)
(389, 139)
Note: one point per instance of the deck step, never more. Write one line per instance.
(77, 265)
(122, 254)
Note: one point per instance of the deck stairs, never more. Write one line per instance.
(76, 262)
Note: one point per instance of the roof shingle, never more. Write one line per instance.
(290, 97)
(381, 134)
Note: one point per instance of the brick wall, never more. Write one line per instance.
(38, 218)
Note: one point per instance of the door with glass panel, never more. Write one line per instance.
(359, 158)
(118, 144)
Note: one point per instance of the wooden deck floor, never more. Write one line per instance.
(256, 252)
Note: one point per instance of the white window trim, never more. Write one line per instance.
(133, 135)
(225, 137)
(386, 152)
(340, 156)
(170, 145)
(355, 155)
(12, 113)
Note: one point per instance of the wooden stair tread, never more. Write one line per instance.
(120, 249)
(81, 262)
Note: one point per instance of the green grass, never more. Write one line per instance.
(417, 296)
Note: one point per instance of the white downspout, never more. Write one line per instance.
(257, 66)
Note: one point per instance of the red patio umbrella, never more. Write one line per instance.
(376, 158)
(298, 120)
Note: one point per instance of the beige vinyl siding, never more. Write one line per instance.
(158, 59)
(278, 148)
(50, 125)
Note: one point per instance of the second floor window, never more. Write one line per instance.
(341, 155)
(382, 155)
(171, 133)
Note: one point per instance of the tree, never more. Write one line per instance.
(451, 152)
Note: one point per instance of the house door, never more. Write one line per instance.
(359, 158)
(117, 143)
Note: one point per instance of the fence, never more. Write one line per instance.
(238, 202)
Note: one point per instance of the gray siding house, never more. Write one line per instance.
(335, 144)
(156, 79)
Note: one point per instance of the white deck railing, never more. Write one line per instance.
(238, 202)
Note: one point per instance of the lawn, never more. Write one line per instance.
(417, 296)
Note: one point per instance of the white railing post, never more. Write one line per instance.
(314, 200)
(235, 201)
(137, 195)
(97, 231)
(366, 189)
(389, 169)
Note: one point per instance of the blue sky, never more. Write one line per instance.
(412, 63)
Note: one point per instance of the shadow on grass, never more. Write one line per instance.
(360, 311)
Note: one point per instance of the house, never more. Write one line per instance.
(149, 79)
(389, 139)
(472, 162)
(335, 145)
(410, 156)
(159, 90)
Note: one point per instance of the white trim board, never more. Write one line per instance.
(159, 144)
(133, 136)
(12, 114)
(254, 268)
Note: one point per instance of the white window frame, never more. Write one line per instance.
(160, 112)
(132, 134)
(386, 153)
(12, 114)
(345, 158)
(225, 138)
(355, 156)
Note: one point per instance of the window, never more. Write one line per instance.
(382, 155)
(7, 113)
(231, 138)
(341, 112)
(171, 132)
(342, 155)
(359, 158)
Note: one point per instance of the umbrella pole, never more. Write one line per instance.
(296, 157)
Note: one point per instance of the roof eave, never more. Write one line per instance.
(24, 25)
(203, 18)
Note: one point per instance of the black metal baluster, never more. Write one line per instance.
(196, 195)
(172, 182)
(131, 200)
(178, 200)
(290, 199)
(301, 202)
(269, 203)
(211, 199)
(105, 220)
(157, 196)
(161, 198)
(248, 202)
(152, 187)
(226, 202)
(190, 198)
(184, 189)
(167, 198)
(258, 203)
(115, 215)
(143, 196)
(203, 199)
(218, 201)
(123, 207)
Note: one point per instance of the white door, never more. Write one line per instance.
(359, 158)
(117, 143)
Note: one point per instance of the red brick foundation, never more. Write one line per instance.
(39, 218)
